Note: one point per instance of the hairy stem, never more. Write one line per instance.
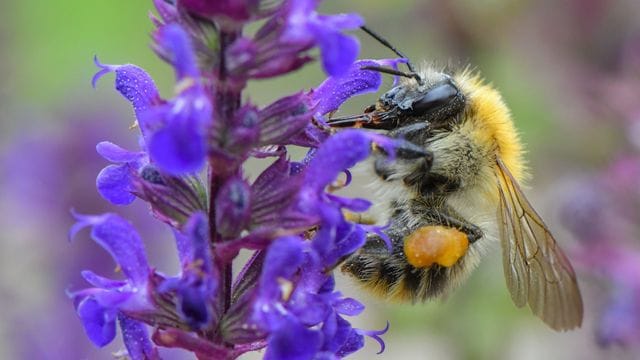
(227, 102)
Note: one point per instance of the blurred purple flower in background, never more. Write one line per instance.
(43, 175)
(602, 212)
(189, 168)
(603, 209)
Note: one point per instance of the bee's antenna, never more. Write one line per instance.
(387, 44)
(411, 75)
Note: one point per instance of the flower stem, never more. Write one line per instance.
(227, 102)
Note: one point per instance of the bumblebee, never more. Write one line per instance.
(465, 181)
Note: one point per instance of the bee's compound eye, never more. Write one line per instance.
(435, 98)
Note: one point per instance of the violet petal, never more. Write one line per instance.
(178, 149)
(99, 323)
(114, 184)
(176, 42)
(338, 52)
(101, 282)
(284, 257)
(375, 335)
(133, 83)
(293, 341)
(348, 306)
(337, 89)
(117, 154)
(339, 152)
(136, 339)
(121, 240)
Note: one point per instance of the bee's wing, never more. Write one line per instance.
(536, 269)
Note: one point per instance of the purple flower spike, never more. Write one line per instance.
(193, 170)
(337, 89)
(133, 83)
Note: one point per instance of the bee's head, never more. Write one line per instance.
(434, 98)
(431, 97)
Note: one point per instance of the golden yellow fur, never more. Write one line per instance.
(490, 122)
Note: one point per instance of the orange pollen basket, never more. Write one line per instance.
(440, 245)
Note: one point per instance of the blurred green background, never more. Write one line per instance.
(552, 60)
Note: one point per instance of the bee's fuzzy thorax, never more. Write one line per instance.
(491, 121)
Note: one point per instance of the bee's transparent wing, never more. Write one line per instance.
(536, 269)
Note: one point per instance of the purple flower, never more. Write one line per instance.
(195, 288)
(596, 211)
(296, 297)
(337, 89)
(99, 307)
(116, 182)
(136, 339)
(304, 24)
(173, 131)
(280, 45)
(620, 320)
(133, 83)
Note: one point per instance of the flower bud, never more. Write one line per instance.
(238, 10)
(233, 207)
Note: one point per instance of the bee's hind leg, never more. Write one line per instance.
(448, 217)
(370, 261)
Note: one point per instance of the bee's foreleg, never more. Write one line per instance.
(408, 159)
(417, 133)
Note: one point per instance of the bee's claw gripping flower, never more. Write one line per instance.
(285, 298)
